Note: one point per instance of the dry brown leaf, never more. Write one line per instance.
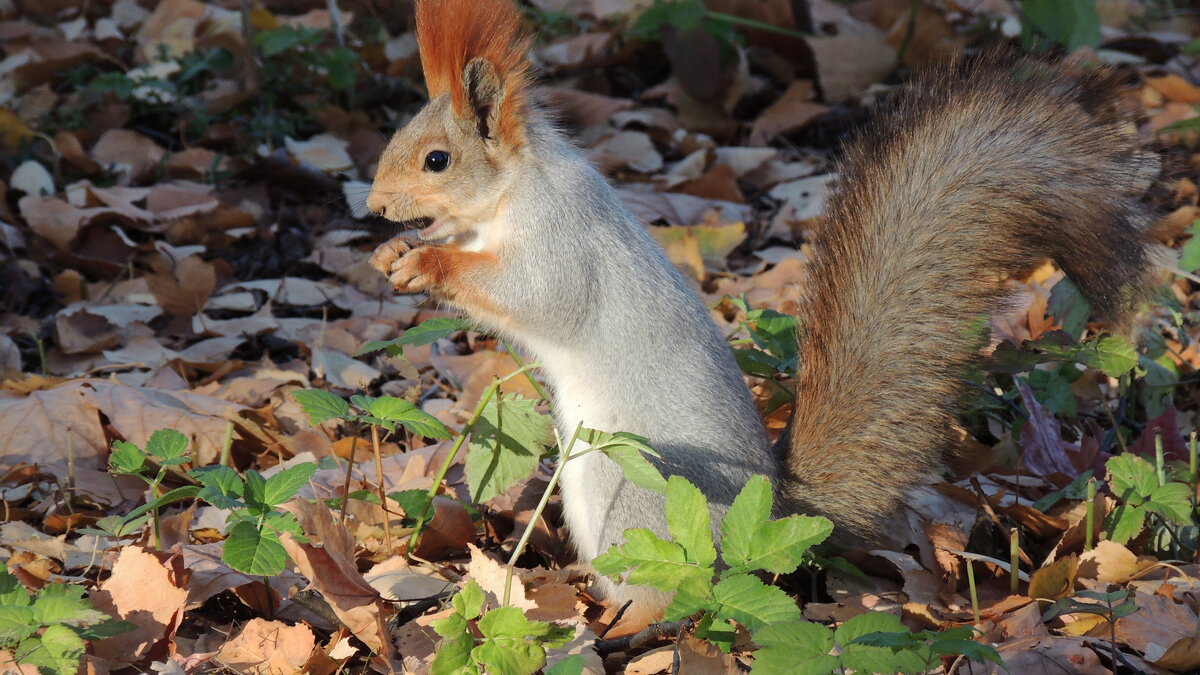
(148, 589)
(792, 111)
(1055, 580)
(626, 150)
(43, 423)
(1160, 628)
(583, 108)
(851, 59)
(268, 648)
(491, 575)
(1175, 88)
(131, 155)
(1109, 562)
(185, 289)
(328, 562)
(1045, 655)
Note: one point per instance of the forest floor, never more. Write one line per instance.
(184, 244)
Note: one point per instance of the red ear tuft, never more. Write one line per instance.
(450, 33)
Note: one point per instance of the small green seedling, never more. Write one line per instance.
(252, 542)
(166, 448)
(507, 642)
(47, 630)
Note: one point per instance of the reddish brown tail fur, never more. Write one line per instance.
(968, 180)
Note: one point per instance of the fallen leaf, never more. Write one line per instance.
(148, 589)
(268, 648)
(792, 111)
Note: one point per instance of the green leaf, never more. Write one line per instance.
(106, 629)
(57, 650)
(64, 604)
(16, 624)
(126, 457)
(749, 511)
(1126, 522)
(254, 492)
(1189, 253)
(1067, 304)
(794, 648)
(1131, 477)
(969, 648)
(572, 664)
(252, 551)
(454, 652)
(750, 602)
(469, 601)
(414, 503)
(507, 442)
(1172, 501)
(652, 561)
(321, 405)
(222, 486)
(1070, 23)
(629, 452)
(689, 522)
(168, 447)
(866, 658)
(285, 484)
(779, 546)
(513, 643)
(11, 591)
(1112, 354)
(692, 595)
(429, 330)
(404, 413)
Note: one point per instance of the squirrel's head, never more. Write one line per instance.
(449, 165)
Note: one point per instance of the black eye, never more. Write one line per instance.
(437, 160)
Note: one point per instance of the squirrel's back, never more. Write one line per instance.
(969, 179)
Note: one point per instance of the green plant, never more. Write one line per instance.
(1068, 23)
(1144, 492)
(770, 350)
(48, 629)
(166, 448)
(1111, 605)
(507, 641)
(252, 542)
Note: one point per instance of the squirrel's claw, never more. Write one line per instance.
(407, 272)
(388, 253)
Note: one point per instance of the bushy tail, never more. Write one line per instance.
(968, 180)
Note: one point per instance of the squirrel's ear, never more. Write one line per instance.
(484, 92)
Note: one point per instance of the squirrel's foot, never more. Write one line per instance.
(414, 271)
(388, 253)
(403, 265)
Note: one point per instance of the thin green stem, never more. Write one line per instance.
(537, 386)
(1159, 462)
(1014, 560)
(974, 594)
(758, 25)
(1090, 523)
(563, 458)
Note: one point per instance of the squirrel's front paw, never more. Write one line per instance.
(388, 253)
(415, 271)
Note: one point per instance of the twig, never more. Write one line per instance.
(387, 520)
(642, 638)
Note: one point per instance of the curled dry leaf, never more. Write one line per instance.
(328, 562)
(792, 111)
(491, 575)
(1163, 631)
(1109, 562)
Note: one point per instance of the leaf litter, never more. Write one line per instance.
(175, 255)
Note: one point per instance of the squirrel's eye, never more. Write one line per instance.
(437, 160)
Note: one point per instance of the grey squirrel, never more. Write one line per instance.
(973, 178)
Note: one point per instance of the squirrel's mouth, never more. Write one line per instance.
(427, 227)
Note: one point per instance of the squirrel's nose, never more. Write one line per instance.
(376, 202)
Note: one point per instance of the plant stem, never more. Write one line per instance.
(387, 521)
(1090, 522)
(1159, 463)
(537, 386)
(974, 594)
(537, 512)
(415, 537)
(759, 25)
(914, 8)
(227, 446)
(349, 470)
(1014, 559)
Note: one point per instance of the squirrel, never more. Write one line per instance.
(972, 178)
